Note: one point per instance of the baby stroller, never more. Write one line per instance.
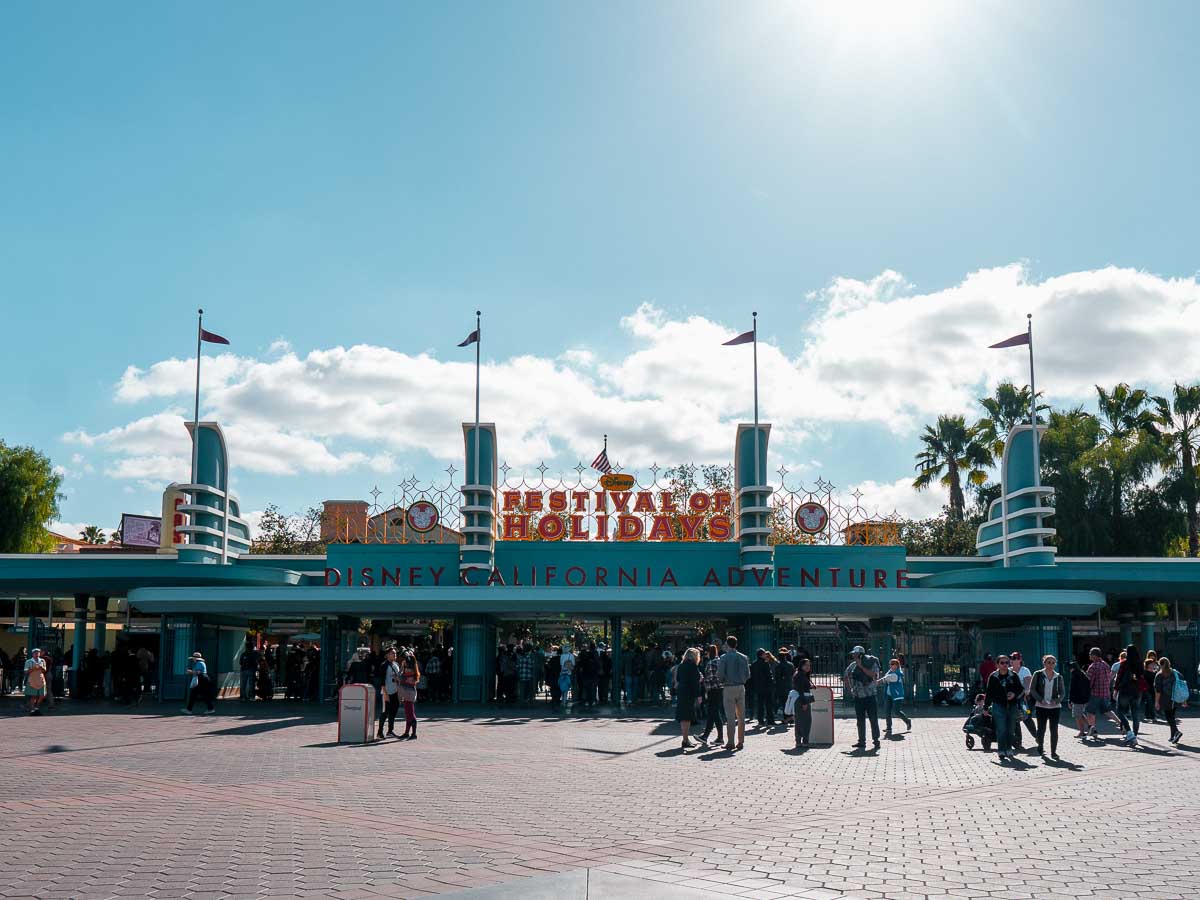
(979, 725)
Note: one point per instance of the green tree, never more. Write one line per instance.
(289, 535)
(1081, 491)
(28, 500)
(94, 534)
(1129, 446)
(950, 450)
(1178, 421)
(942, 535)
(1007, 407)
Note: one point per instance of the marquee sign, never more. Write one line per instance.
(619, 515)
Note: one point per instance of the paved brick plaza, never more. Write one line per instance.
(116, 805)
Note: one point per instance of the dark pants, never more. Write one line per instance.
(865, 707)
(605, 684)
(410, 714)
(1168, 710)
(200, 692)
(764, 705)
(894, 706)
(1129, 710)
(1044, 716)
(1148, 703)
(1020, 718)
(247, 692)
(588, 688)
(803, 722)
(714, 703)
(387, 713)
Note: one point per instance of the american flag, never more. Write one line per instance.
(601, 463)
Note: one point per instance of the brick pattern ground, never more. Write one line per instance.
(264, 804)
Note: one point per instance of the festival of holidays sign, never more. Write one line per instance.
(621, 515)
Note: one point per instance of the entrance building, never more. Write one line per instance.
(678, 556)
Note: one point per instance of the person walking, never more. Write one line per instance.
(1003, 693)
(1128, 685)
(198, 686)
(1099, 676)
(762, 676)
(525, 660)
(1024, 716)
(859, 681)
(1046, 690)
(566, 671)
(248, 666)
(1150, 668)
(893, 697)
(1170, 693)
(713, 696)
(802, 685)
(35, 681)
(410, 674)
(784, 670)
(390, 693)
(1080, 693)
(734, 671)
(687, 687)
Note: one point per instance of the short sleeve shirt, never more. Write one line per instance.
(35, 673)
(1099, 675)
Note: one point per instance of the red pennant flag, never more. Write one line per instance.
(212, 338)
(744, 338)
(471, 338)
(1015, 341)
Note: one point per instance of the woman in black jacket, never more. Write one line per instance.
(762, 676)
(687, 694)
(802, 684)
(1004, 692)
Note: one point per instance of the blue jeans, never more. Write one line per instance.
(1005, 720)
(631, 688)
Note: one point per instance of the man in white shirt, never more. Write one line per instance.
(1022, 671)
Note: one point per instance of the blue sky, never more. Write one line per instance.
(616, 185)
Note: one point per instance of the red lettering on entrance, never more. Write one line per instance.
(902, 578)
(601, 576)
(512, 500)
(414, 576)
(833, 573)
(722, 500)
(711, 578)
(781, 576)
(880, 578)
(551, 528)
(602, 528)
(558, 501)
(644, 502)
(551, 571)
(581, 578)
(621, 499)
(667, 499)
(578, 529)
(533, 501)
(580, 500)
(629, 528)
(699, 502)
(691, 527)
(734, 571)
(629, 577)
(812, 577)
(862, 578)
(661, 529)
(516, 527)
(760, 575)
(437, 574)
(668, 578)
(495, 578)
(392, 575)
(719, 528)
(332, 578)
(366, 577)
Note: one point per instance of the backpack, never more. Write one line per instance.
(1180, 692)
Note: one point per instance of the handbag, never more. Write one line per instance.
(806, 700)
(789, 708)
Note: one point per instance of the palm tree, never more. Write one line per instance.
(94, 534)
(951, 448)
(1129, 445)
(1179, 422)
(1007, 407)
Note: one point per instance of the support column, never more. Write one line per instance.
(1148, 618)
(471, 649)
(759, 632)
(101, 624)
(618, 652)
(80, 641)
(752, 504)
(1125, 621)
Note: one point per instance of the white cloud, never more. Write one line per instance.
(873, 352)
(70, 529)
(899, 496)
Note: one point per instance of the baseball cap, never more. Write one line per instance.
(858, 648)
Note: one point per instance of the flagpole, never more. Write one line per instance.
(196, 414)
(757, 476)
(478, 341)
(1037, 467)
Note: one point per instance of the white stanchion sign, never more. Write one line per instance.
(822, 716)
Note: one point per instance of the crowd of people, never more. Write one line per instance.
(125, 675)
